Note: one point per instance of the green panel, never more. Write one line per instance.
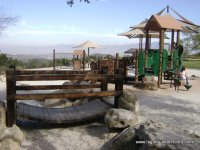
(156, 62)
(165, 60)
(175, 59)
(150, 60)
(141, 63)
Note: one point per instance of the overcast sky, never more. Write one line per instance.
(52, 22)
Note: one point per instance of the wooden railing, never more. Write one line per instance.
(13, 88)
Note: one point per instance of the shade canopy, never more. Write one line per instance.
(138, 33)
(130, 51)
(178, 23)
(87, 44)
(156, 23)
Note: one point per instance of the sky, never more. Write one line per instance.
(53, 22)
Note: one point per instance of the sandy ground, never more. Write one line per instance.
(179, 110)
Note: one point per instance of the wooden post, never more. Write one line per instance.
(83, 59)
(54, 59)
(118, 87)
(136, 66)
(11, 102)
(125, 67)
(116, 63)
(172, 50)
(161, 46)
(104, 84)
(88, 51)
(146, 48)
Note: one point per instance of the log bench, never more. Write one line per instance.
(24, 92)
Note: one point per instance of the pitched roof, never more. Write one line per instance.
(157, 22)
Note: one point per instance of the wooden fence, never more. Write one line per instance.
(13, 89)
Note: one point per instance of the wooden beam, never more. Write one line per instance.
(66, 77)
(136, 66)
(118, 87)
(161, 47)
(146, 48)
(54, 87)
(172, 50)
(64, 72)
(62, 95)
(11, 102)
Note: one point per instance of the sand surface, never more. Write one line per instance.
(177, 110)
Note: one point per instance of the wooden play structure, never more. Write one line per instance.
(90, 110)
(159, 62)
(79, 63)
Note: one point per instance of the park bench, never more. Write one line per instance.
(73, 114)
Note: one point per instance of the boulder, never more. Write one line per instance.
(2, 114)
(55, 103)
(10, 138)
(152, 135)
(128, 100)
(68, 103)
(9, 144)
(150, 83)
(77, 102)
(120, 118)
(13, 133)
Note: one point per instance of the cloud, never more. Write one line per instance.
(23, 22)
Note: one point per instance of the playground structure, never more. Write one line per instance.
(155, 62)
(78, 59)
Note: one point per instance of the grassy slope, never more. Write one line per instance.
(193, 64)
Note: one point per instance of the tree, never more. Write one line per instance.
(6, 20)
(71, 2)
(196, 39)
(188, 42)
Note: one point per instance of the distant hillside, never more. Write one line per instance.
(46, 52)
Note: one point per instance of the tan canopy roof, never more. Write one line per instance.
(78, 52)
(138, 33)
(88, 44)
(157, 22)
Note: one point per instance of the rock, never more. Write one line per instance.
(55, 103)
(152, 135)
(68, 103)
(128, 100)
(150, 83)
(9, 144)
(67, 83)
(10, 138)
(120, 118)
(77, 102)
(2, 114)
(13, 133)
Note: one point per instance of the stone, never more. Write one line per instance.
(13, 133)
(120, 118)
(150, 83)
(67, 83)
(9, 144)
(10, 138)
(77, 102)
(128, 100)
(2, 114)
(152, 135)
(68, 103)
(54, 103)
